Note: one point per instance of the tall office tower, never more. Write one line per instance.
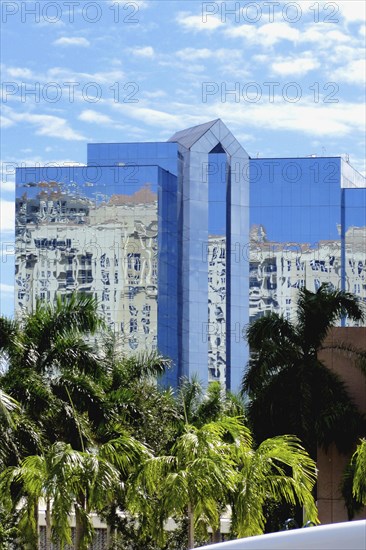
(158, 233)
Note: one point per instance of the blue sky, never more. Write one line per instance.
(286, 77)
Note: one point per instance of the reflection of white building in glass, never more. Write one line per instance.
(107, 250)
(277, 270)
(130, 228)
(216, 328)
(307, 227)
(159, 233)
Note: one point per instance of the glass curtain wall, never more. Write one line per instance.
(216, 257)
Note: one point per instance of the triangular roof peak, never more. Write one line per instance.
(191, 135)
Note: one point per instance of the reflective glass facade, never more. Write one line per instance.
(216, 258)
(93, 230)
(165, 237)
(145, 227)
(307, 227)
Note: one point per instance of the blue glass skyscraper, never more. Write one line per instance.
(183, 242)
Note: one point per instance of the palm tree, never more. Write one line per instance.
(215, 465)
(354, 481)
(17, 432)
(78, 397)
(187, 483)
(8, 336)
(198, 405)
(359, 480)
(70, 480)
(7, 406)
(53, 372)
(280, 470)
(290, 389)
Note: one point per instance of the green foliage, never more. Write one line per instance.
(279, 469)
(354, 481)
(290, 389)
(359, 479)
(131, 538)
(91, 430)
(8, 526)
(216, 465)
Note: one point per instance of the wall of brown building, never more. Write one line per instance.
(331, 464)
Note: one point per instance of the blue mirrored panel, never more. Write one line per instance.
(355, 243)
(216, 257)
(295, 230)
(94, 230)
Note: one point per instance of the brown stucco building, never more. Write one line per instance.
(331, 464)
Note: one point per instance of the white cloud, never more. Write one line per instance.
(20, 72)
(354, 72)
(48, 125)
(7, 186)
(334, 12)
(194, 53)
(149, 116)
(72, 41)
(146, 51)
(186, 70)
(351, 10)
(196, 22)
(307, 117)
(324, 35)
(344, 53)
(295, 66)
(330, 120)
(222, 54)
(267, 35)
(7, 215)
(5, 122)
(261, 58)
(92, 116)
(190, 61)
(155, 95)
(59, 75)
(107, 77)
(6, 289)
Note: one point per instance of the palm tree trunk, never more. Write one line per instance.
(48, 524)
(111, 536)
(80, 530)
(190, 513)
(34, 542)
(36, 520)
(111, 526)
(216, 535)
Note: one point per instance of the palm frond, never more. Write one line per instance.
(273, 328)
(9, 335)
(318, 312)
(145, 364)
(7, 406)
(359, 480)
